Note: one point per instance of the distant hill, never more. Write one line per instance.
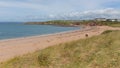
(74, 23)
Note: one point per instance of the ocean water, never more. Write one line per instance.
(15, 30)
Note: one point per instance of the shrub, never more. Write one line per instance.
(44, 59)
(107, 31)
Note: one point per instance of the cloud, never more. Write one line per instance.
(55, 4)
(58, 9)
(17, 4)
(90, 14)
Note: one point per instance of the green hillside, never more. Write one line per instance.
(101, 51)
(75, 23)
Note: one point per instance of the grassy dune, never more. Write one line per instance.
(101, 51)
(115, 25)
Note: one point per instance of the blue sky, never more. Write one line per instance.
(40, 10)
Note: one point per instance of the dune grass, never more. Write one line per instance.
(115, 25)
(101, 51)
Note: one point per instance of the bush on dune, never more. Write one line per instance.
(107, 31)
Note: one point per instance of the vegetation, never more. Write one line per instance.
(115, 25)
(76, 23)
(96, 52)
(55, 22)
(107, 31)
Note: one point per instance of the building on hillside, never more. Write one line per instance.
(100, 19)
(104, 19)
(112, 20)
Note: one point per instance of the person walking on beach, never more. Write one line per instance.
(86, 35)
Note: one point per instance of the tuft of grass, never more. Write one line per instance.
(115, 25)
(107, 31)
(44, 60)
(101, 51)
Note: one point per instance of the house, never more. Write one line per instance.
(104, 19)
(112, 20)
(100, 19)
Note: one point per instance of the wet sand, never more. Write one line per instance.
(11, 48)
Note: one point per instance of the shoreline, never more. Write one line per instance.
(17, 47)
(5, 35)
(42, 35)
(83, 28)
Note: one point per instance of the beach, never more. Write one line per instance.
(17, 47)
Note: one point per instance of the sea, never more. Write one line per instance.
(17, 30)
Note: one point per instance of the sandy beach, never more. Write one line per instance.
(16, 47)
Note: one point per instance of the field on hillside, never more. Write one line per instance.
(101, 51)
(115, 25)
(76, 23)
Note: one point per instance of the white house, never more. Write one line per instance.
(100, 19)
(112, 20)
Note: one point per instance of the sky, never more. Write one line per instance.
(43, 10)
